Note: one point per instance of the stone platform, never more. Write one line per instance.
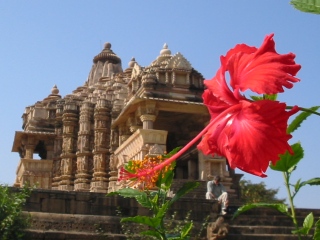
(82, 215)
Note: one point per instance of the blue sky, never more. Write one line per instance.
(43, 43)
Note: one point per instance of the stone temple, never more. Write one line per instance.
(84, 138)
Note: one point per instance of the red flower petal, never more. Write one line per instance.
(262, 71)
(250, 135)
(218, 92)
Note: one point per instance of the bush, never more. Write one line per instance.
(12, 223)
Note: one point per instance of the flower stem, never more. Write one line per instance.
(308, 110)
(286, 176)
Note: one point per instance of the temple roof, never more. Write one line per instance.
(38, 135)
(107, 54)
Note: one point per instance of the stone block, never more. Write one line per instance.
(53, 205)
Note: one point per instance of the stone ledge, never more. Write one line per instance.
(65, 235)
(73, 223)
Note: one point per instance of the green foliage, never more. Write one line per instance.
(309, 6)
(12, 222)
(278, 206)
(307, 225)
(296, 123)
(288, 162)
(187, 187)
(159, 205)
(316, 235)
(257, 192)
(271, 97)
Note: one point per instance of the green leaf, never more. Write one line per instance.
(295, 124)
(149, 221)
(308, 222)
(297, 185)
(316, 235)
(287, 161)
(144, 201)
(128, 166)
(309, 6)
(172, 152)
(307, 225)
(127, 192)
(163, 210)
(173, 236)
(187, 187)
(271, 97)
(155, 197)
(164, 182)
(256, 98)
(311, 182)
(278, 206)
(186, 229)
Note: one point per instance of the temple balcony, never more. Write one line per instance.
(139, 144)
(36, 173)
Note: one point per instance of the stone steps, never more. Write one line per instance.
(264, 237)
(74, 215)
(266, 224)
(69, 235)
(249, 229)
(200, 191)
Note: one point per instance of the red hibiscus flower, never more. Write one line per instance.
(248, 133)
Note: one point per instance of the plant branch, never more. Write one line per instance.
(286, 176)
(305, 110)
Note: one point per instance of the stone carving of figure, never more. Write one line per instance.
(113, 162)
(79, 147)
(84, 142)
(69, 144)
(96, 162)
(64, 145)
(86, 126)
(115, 138)
(218, 229)
(81, 164)
(66, 166)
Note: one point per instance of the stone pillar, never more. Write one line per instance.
(147, 121)
(82, 182)
(30, 147)
(99, 182)
(56, 165)
(68, 156)
(192, 169)
(113, 173)
(147, 113)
